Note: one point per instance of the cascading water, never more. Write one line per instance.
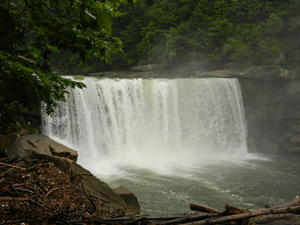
(151, 123)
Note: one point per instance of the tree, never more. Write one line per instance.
(30, 30)
(218, 31)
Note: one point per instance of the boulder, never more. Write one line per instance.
(26, 146)
(275, 219)
(95, 188)
(133, 206)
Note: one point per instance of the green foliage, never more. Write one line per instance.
(32, 30)
(242, 31)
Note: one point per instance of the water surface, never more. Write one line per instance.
(250, 184)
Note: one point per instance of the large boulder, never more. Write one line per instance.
(97, 189)
(275, 219)
(17, 146)
(133, 206)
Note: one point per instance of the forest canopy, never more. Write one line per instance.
(30, 31)
(216, 31)
(242, 31)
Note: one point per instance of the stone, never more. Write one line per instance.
(26, 146)
(133, 206)
(275, 219)
(95, 187)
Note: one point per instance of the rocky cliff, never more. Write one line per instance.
(271, 98)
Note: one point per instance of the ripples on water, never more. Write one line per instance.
(249, 184)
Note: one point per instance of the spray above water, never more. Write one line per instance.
(151, 123)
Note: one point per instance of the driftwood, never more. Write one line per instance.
(14, 198)
(203, 208)
(294, 202)
(188, 218)
(9, 165)
(234, 210)
(226, 219)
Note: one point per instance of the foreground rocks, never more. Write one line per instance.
(133, 206)
(17, 146)
(40, 182)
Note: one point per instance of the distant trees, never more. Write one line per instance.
(30, 30)
(172, 31)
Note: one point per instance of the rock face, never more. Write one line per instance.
(271, 97)
(133, 206)
(262, 73)
(279, 219)
(272, 110)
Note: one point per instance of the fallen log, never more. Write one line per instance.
(203, 208)
(226, 219)
(234, 210)
(294, 202)
(188, 218)
(130, 219)
(14, 198)
(10, 165)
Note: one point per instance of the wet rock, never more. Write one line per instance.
(97, 189)
(133, 206)
(278, 219)
(26, 146)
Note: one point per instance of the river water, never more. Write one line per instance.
(171, 141)
(245, 184)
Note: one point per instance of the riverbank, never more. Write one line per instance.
(40, 183)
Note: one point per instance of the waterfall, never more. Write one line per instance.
(151, 123)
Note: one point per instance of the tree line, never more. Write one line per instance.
(170, 32)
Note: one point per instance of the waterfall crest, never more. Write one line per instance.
(151, 123)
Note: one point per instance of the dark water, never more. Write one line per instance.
(249, 184)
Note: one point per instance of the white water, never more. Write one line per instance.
(158, 124)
